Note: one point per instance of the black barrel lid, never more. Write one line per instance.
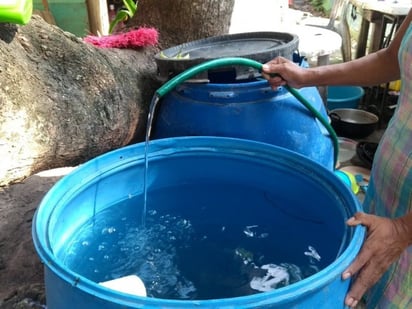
(258, 46)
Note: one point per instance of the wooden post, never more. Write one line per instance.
(98, 17)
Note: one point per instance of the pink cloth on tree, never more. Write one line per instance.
(133, 39)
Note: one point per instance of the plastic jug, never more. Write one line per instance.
(16, 11)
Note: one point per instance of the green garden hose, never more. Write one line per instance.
(223, 62)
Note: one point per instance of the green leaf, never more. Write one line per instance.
(120, 16)
(124, 14)
(131, 6)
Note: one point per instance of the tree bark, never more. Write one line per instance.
(181, 21)
(63, 101)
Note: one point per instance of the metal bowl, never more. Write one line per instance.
(353, 123)
(347, 149)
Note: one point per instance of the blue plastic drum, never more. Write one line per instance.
(268, 204)
(247, 109)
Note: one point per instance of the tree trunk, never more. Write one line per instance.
(63, 101)
(181, 21)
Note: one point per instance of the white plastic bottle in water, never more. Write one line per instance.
(129, 284)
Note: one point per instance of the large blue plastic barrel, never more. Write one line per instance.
(222, 184)
(247, 109)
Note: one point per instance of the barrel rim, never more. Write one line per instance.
(169, 65)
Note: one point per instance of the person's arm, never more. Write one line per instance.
(373, 69)
(386, 240)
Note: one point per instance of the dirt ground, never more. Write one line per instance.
(21, 273)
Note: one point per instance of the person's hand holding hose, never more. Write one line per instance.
(281, 71)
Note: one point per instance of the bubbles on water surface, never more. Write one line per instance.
(178, 259)
(253, 231)
(312, 253)
(150, 252)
